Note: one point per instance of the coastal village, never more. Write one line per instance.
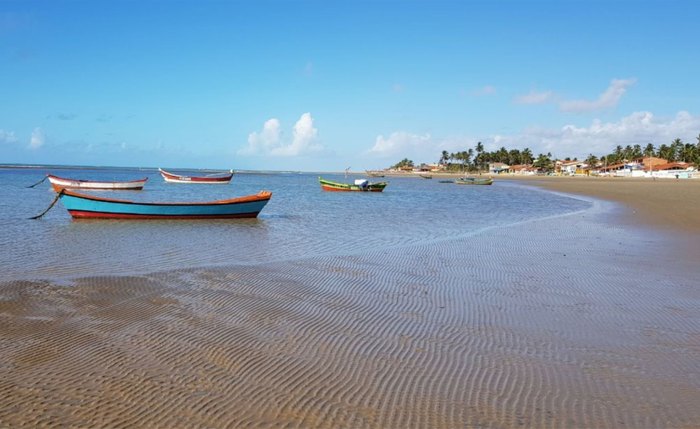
(650, 167)
(677, 160)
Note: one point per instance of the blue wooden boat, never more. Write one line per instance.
(83, 206)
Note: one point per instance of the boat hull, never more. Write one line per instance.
(82, 206)
(474, 181)
(211, 180)
(327, 185)
(58, 183)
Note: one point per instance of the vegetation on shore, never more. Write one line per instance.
(477, 159)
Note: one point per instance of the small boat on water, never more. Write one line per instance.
(374, 173)
(360, 185)
(83, 206)
(59, 183)
(474, 181)
(426, 176)
(220, 178)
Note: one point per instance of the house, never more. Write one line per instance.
(431, 167)
(571, 168)
(678, 170)
(498, 167)
(618, 169)
(649, 162)
(523, 169)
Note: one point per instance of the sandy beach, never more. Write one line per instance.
(673, 205)
(574, 321)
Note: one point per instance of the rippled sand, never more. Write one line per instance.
(565, 322)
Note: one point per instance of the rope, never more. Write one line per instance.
(40, 181)
(49, 208)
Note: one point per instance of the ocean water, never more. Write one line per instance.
(300, 221)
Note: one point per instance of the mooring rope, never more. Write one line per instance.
(40, 181)
(58, 195)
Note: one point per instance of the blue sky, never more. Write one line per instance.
(325, 85)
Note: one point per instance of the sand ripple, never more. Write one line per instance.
(497, 330)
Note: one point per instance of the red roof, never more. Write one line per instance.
(671, 166)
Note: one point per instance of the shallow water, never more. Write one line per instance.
(300, 221)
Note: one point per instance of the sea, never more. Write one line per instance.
(300, 221)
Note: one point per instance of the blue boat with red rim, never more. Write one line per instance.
(84, 206)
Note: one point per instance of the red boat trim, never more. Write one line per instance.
(81, 214)
(263, 195)
(339, 189)
(51, 176)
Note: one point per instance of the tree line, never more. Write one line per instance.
(478, 159)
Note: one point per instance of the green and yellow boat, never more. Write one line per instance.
(474, 181)
(360, 185)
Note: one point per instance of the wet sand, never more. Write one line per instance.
(669, 204)
(575, 321)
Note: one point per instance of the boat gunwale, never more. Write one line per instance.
(260, 196)
(52, 176)
(221, 177)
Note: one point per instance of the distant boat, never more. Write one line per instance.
(446, 181)
(360, 185)
(59, 183)
(82, 206)
(374, 173)
(474, 181)
(426, 176)
(220, 178)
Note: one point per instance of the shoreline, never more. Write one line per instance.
(669, 204)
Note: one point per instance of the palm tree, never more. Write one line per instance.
(637, 151)
(543, 162)
(688, 153)
(526, 156)
(403, 163)
(445, 156)
(618, 153)
(677, 147)
(649, 150)
(628, 152)
(592, 160)
(479, 153)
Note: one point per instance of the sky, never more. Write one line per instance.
(326, 85)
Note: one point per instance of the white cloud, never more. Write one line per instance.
(269, 141)
(305, 136)
(535, 97)
(400, 143)
(7, 137)
(37, 139)
(266, 140)
(606, 100)
(571, 140)
(602, 137)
